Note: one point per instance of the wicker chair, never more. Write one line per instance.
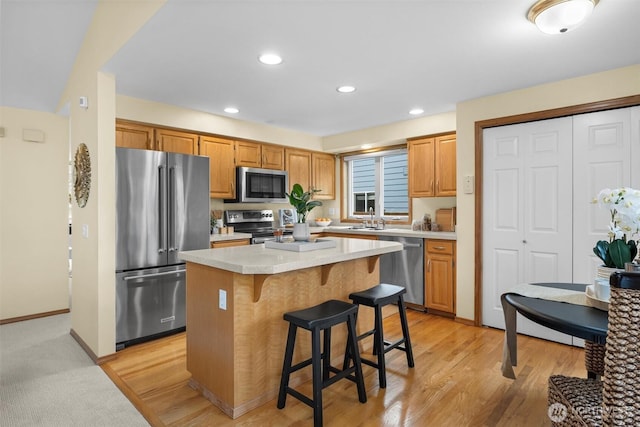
(614, 401)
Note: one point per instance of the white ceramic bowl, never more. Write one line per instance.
(323, 223)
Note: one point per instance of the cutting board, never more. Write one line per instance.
(446, 219)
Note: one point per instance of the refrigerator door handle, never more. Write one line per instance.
(171, 211)
(162, 199)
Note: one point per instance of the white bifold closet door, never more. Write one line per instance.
(527, 213)
(539, 179)
(606, 154)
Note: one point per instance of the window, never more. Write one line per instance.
(378, 181)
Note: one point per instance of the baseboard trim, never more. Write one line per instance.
(464, 321)
(97, 360)
(34, 316)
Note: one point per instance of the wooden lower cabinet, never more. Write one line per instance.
(440, 279)
(229, 243)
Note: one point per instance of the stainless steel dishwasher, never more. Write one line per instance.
(405, 268)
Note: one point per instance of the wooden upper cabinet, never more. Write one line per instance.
(132, 135)
(248, 154)
(324, 175)
(222, 176)
(272, 157)
(176, 142)
(432, 166)
(445, 158)
(298, 164)
(421, 167)
(256, 155)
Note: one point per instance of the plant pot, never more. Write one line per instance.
(301, 231)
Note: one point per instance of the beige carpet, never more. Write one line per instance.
(46, 379)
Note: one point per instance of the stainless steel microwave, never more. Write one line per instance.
(254, 185)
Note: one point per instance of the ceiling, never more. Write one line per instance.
(399, 54)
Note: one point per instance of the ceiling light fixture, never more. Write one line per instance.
(270, 59)
(416, 111)
(346, 89)
(231, 110)
(560, 16)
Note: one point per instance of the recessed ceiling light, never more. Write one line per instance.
(270, 59)
(416, 111)
(366, 146)
(346, 89)
(231, 110)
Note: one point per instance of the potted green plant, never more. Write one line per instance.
(302, 202)
(624, 207)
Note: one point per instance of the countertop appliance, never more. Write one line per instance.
(258, 223)
(255, 185)
(162, 207)
(287, 216)
(405, 268)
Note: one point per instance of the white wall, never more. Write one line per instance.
(33, 214)
(591, 88)
(93, 288)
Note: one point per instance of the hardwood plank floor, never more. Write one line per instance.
(456, 382)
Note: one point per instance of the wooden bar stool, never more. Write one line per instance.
(377, 297)
(316, 319)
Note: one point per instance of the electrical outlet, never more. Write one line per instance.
(85, 231)
(222, 299)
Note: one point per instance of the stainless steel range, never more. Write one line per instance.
(258, 223)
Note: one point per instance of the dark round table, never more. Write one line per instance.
(588, 323)
(580, 321)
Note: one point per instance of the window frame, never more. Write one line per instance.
(347, 185)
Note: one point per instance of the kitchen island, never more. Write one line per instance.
(235, 301)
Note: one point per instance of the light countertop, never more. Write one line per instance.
(232, 236)
(256, 259)
(389, 231)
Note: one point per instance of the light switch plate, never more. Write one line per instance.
(468, 184)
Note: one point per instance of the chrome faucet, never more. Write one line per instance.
(371, 213)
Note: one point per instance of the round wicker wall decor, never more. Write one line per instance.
(82, 169)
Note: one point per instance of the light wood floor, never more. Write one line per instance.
(456, 382)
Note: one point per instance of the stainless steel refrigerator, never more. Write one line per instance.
(162, 203)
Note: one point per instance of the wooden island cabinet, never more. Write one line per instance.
(236, 298)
